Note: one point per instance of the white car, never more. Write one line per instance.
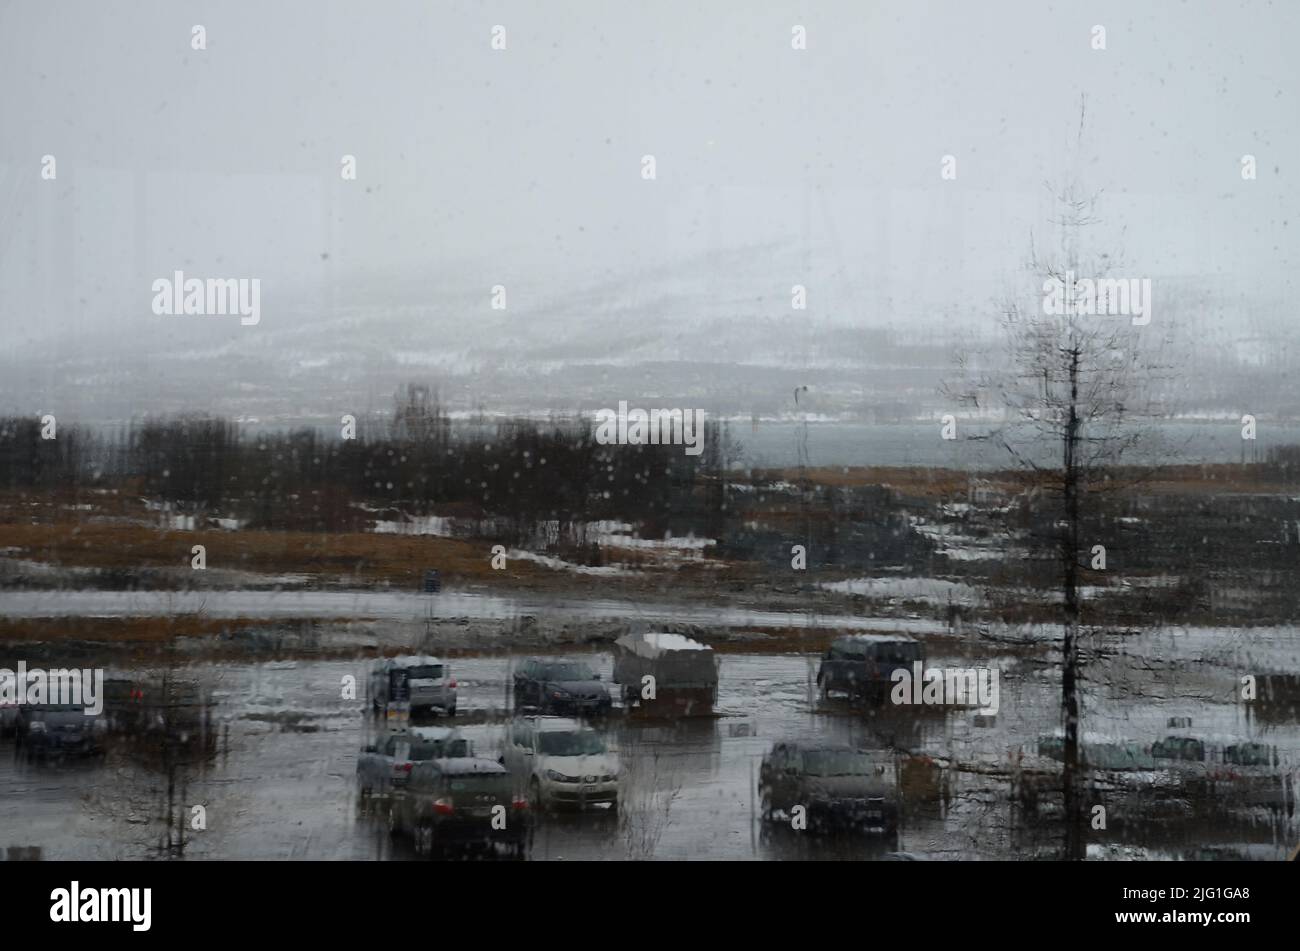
(562, 762)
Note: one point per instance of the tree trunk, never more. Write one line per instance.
(1074, 846)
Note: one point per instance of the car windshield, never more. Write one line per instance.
(583, 743)
(1118, 756)
(568, 671)
(902, 653)
(495, 785)
(1180, 748)
(1248, 754)
(839, 763)
(422, 750)
(426, 672)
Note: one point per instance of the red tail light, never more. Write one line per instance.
(520, 803)
(453, 685)
(403, 767)
(443, 807)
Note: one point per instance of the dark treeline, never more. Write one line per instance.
(516, 472)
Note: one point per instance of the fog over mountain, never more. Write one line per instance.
(821, 169)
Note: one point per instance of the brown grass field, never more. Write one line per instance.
(112, 530)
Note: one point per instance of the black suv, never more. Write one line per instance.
(464, 803)
(838, 787)
(862, 666)
(560, 688)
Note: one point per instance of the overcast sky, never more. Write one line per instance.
(522, 167)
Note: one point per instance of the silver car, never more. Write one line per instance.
(385, 765)
(423, 682)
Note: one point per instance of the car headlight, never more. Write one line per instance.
(560, 777)
(37, 727)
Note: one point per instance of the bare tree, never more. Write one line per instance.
(649, 790)
(1073, 389)
(163, 740)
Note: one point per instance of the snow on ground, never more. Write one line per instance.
(929, 590)
(687, 543)
(939, 591)
(1123, 586)
(608, 527)
(415, 525)
(776, 487)
(178, 522)
(960, 547)
(559, 564)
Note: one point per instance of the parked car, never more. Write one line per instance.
(860, 665)
(452, 740)
(8, 718)
(387, 764)
(1115, 771)
(1101, 752)
(684, 672)
(8, 709)
(561, 762)
(423, 682)
(560, 688)
(50, 730)
(161, 709)
(1228, 771)
(838, 786)
(1278, 700)
(460, 803)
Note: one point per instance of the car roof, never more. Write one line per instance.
(876, 639)
(432, 733)
(1214, 739)
(414, 660)
(1087, 736)
(819, 747)
(555, 724)
(469, 765)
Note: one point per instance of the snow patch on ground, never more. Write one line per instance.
(929, 590)
(960, 547)
(558, 564)
(688, 543)
(415, 525)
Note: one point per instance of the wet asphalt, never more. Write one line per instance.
(282, 782)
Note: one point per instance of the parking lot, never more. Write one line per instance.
(282, 782)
